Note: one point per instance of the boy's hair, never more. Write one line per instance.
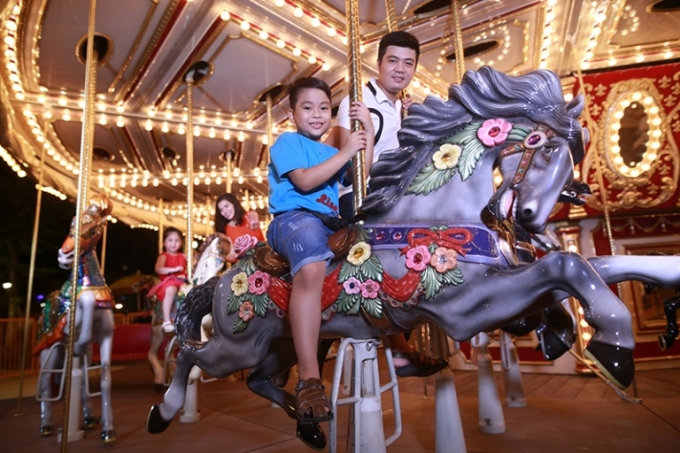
(168, 231)
(399, 39)
(239, 212)
(306, 83)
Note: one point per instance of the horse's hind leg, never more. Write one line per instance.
(45, 391)
(105, 340)
(156, 340)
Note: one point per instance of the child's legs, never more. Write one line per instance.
(305, 316)
(168, 299)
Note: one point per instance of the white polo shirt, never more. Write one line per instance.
(386, 118)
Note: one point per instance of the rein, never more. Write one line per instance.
(534, 140)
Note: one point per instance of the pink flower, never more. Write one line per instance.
(369, 289)
(246, 311)
(352, 286)
(243, 244)
(494, 131)
(258, 282)
(417, 258)
(443, 259)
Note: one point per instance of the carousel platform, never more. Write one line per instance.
(564, 414)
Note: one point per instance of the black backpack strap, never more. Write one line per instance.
(377, 113)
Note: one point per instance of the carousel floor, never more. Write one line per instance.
(564, 414)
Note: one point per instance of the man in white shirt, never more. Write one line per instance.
(398, 54)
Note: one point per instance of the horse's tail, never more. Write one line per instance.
(196, 305)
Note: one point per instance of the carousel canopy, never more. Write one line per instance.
(240, 54)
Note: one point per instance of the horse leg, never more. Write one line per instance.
(156, 340)
(562, 274)
(105, 340)
(260, 380)
(89, 419)
(84, 319)
(658, 270)
(45, 391)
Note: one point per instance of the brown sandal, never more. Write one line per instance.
(311, 404)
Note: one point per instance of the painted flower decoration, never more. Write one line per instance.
(369, 289)
(494, 131)
(352, 286)
(243, 244)
(246, 311)
(258, 282)
(443, 260)
(447, 156)
(417, 258)
(239, 284)
(359, 253)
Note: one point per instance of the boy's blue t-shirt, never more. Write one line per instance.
(290, 152)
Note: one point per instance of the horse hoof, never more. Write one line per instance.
(89, 423)
(154, 422)
(158, 388)
(615, 362)
(46, 431)
(311, 435)
(108, 436)
(552, 345)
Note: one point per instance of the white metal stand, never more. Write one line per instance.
(514, 387)
(366, 433)
(491, 420)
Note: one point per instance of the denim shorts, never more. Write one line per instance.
(301, 238)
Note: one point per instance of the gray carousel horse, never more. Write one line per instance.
(211, 258)
(436, 246)
(94, 322)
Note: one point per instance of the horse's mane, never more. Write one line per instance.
(484, 94)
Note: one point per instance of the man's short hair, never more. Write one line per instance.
(306, 83)
(399, 39)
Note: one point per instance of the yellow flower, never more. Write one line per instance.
(359, 253)
(447, 156)
(239, 284)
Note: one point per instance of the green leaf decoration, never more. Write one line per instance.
(453, 277)
(372, 268)
(430, 179)
(239, 326)
(471, 154)
(348, 270)
(363, 234)
(518, 133)
(345, 302)
(234, 303)
(430, 279)
(354, 310)
(260, 304)
(373, 307)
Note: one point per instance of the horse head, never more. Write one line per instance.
(95, 218)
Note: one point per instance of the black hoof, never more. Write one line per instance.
(89, 423)
(158, 388)
(108, 436)
(46, 431)
(311, 435)
(154, 422)
(553, 345)
(615, 362)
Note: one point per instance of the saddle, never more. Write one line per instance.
(267, 260)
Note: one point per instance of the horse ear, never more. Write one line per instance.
(575, 106)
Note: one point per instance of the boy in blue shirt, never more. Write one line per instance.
(303, 189)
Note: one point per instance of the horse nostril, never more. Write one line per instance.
(527, 212)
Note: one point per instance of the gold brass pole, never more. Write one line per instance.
(190, 172)
(86, 144)
(161, 226)
(458, 34)
(31, 273)
(354, 65)
(230, 177)
(102, 260)
(270, 127)
(391, 15)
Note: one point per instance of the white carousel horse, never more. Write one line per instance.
(211, 258)
(94, 321)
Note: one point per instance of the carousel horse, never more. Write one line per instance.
(436, 246)
(94, 321)
(210, 261)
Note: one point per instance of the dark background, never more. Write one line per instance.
(128, 250)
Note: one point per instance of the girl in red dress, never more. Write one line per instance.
(171, 268)
(243, 229)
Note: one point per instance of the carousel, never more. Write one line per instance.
(146, 112)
